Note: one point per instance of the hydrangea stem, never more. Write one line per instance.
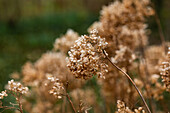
(68, 97)
(130, 81)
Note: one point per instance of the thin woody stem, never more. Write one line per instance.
(18, 96)
(68, 97)
(19, 103)
(8, 107)
(130, 81)
(20, 106)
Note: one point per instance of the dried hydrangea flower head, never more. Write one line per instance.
(65, 42)
(123, 57)
(165, 71)
(57, 88)
(154, 55)
(3, 94)
(34, 75)
(17, 87)
(85, 56)
(123, 109)
(30, 75)
(123, 22)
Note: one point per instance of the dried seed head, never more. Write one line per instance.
(85, 56)
(57, 89)
(17, 87)
(65, 42)
(3, 94)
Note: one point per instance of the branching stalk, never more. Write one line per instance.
(20, 105)
(8, 107)
(18, 97)
(130, 81)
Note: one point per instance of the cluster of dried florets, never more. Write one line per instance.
(49, 63)
(123, 109)
(165, 71)
(123, 23)
(65, 42)
(17, 90)
(85, 56)
(3, 94)
(124, 56)
(17, 87)
(57, 87)
(34, 75)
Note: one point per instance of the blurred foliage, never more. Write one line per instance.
(29, 28)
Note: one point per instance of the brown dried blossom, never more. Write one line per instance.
(57, 87)
(154, 55)
(165, 71)
(123, 109)
(49, 63)
(3, 94)
(34, 75)
(123, 23)
(85, 56)
(123, 57)
(17, 87)
(30, 74)
(17, 90)
(66, 41)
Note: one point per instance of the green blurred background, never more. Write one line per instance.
(29, 28)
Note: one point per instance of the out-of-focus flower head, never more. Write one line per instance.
(3, 94)
(66, 41)
(57, 87)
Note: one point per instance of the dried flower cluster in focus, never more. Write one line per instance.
(17, 87)
(85, 56)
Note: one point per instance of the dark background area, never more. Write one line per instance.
(29, 28)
